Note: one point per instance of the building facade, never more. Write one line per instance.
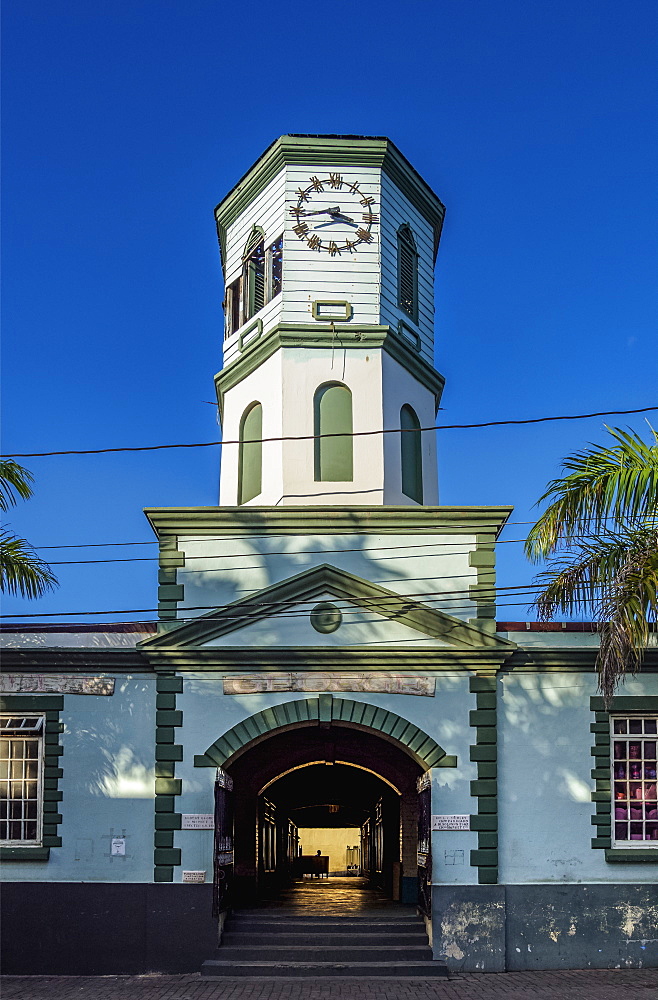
(327, 651)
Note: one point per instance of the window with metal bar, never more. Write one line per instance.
(635, 801)
(21, 765)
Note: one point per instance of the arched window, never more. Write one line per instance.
(411, 454)
(332, 408)
(250, 459)
(407, 272)
(253, 273)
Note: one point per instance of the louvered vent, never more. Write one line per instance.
(407, 273)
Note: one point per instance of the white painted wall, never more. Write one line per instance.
(399, 387)
(221, 570)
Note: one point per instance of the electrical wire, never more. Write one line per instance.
(313, 437)
(433, 595)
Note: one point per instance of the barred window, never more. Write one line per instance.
(259, 282)
(21, 753)
(634, 743)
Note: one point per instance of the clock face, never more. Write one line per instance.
(333, 215)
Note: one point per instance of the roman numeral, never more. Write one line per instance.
(302, 195)
(354, 187)
(351, 245)
(316, 184)
(335, 180)
(364, 235)
(366, 201)
(297, 211)
(333, 248)
(370, 217)
(314, 242)
(301, 230)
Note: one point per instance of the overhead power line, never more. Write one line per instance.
(313, 437)
(419, 598)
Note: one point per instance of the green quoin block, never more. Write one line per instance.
(163, 838)
(487, 769)
(485, 734)
(486, 857)
(488, 840)
(601, 842)
(486, 700)
(166, 856)
(168, 786)
(166, 684)
(167, 821)
(166, 718)
(481, 684)
(484, 718)
(165, 734)
(487, 822)
(483, 787)
(487, 805)
(487, 876)
(51, 841)
(161, 873)
(485, 751)
(164, 803)
(165, 769)
(165, 702)
(168, 751)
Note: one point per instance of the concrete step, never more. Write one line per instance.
(342, 925)
(361, 938)
(216, 968)
(323, 953)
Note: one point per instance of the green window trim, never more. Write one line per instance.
(340, 310)
(253, 273)
(24, 854)
(602, 775)
(411, 454)
(250, 454)
(332, 414)
(52, 750)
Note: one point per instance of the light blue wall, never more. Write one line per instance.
(208, 713)
(108, 788)
(544, 782)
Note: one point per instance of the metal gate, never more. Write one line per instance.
(424, 786)
(223, 846)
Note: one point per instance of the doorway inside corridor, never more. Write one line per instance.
(340, 790)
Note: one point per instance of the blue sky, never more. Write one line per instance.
(126, 122)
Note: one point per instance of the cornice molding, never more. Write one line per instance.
(326, 520)
(309, 337)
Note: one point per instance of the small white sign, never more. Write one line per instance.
(197, 821)
(118, 845)
(454, 822)
(194, 876)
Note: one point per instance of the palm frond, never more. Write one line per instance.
(21, 571)
(615, 486)
(14, 483)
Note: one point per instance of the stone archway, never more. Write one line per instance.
(286, 737)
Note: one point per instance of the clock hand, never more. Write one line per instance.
(324, 211)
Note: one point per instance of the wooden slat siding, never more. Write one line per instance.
(396, 210)
(309, 275)
(266, 211)
(270, 316)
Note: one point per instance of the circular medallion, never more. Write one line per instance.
(333, 215)
(326, 617)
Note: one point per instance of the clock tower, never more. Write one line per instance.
(328, 247)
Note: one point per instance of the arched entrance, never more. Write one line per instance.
(325, 763)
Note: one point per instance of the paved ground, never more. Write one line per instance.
(588, 985)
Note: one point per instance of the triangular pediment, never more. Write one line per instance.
(369, 606)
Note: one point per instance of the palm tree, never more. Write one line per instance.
(600, 535)
(21, 571)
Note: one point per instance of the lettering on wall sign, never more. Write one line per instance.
(55, 684)
(368, 683)
(197, 821)
(453, 822)
(194, 877)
